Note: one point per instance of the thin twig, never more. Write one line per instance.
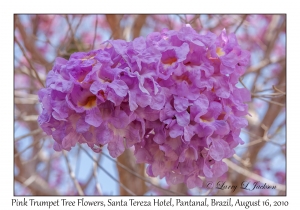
(241, 81)
(27, 72)
(45, 41)
(77, 167)
(78, 24)
(48, 168)
(272, 102)
(26, 101)
(24, 150)
(32, 133)
(98, 187)
(252, 175)
(193, 19)
(271, 37)
(30, 180)
(86, 184)
(29, 44)
(185, 18)
(29, 62)
(244, 162)
(37, 153)
(72, 33)
(169, 22)
(281, 85)
(182, 19)
(264, 63)
(251, 143)
(260, 139)
(241, 23)
(22, 94)
(270, 95)
(72, 175)
(276, 89)
(25, 118)
(139, 176)
(105, 171)
(95, 33)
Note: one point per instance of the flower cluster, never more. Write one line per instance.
(171, 95)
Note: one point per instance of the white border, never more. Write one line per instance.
(153, 6)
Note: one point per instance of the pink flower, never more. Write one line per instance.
(172, 96)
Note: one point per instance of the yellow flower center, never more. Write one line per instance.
(89, 103)
(220, 51)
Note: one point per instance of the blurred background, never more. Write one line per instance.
(39, 170)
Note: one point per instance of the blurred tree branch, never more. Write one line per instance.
(114, 23)
(29, 43)
(135, 184)
(267, 121)
(138, 24)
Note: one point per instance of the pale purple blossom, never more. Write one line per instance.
(171, 95)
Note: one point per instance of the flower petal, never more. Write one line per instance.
(93, 117)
